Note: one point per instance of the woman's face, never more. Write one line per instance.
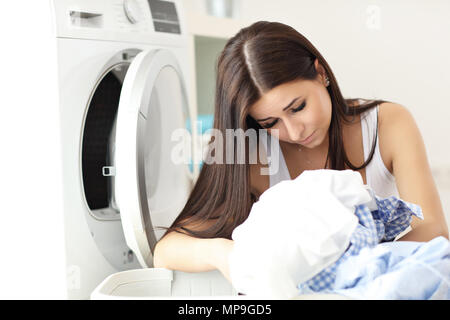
(300, 111)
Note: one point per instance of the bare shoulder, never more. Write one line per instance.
(396, 127)
(394, 119)
(390, 113)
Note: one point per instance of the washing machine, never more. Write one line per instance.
(123, 69)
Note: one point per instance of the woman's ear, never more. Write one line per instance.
(321, 71)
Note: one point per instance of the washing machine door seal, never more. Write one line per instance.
(153, 150)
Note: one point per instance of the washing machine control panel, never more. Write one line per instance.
(119, 20)
(165, 17)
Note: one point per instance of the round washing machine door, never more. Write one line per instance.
(153, 150)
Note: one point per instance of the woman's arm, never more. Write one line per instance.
(177, 251)
(401, 137)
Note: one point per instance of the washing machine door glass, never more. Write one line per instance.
(153, 150)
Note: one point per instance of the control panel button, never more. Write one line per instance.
(132, 10)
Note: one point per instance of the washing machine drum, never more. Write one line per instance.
(152, 152)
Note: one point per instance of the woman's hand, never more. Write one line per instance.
(221, 255)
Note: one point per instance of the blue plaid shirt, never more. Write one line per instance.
(385, 220)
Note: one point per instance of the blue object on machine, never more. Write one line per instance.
(204, 123)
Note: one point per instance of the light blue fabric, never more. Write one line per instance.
(397, 270)
(390, 270)
(389, 217)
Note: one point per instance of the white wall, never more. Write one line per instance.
(392, 50)
(32, 262)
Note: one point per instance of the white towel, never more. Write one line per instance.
(297, 228)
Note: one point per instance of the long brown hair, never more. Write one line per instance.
(257, 59)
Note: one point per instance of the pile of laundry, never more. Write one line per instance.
(327, 232)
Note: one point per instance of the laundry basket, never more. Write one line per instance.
(160, 283)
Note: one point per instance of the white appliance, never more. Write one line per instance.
(122, 68)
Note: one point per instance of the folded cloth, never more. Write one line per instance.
(297, 229)
(397, 270)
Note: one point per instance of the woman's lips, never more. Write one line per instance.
(308, 140)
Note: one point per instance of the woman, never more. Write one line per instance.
(270, 76)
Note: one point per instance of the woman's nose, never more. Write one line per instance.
(294, 131)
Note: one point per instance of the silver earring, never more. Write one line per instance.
(327, 81)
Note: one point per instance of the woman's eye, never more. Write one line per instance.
(269, 125)
(299, 108)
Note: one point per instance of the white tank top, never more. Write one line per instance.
(378, 177)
